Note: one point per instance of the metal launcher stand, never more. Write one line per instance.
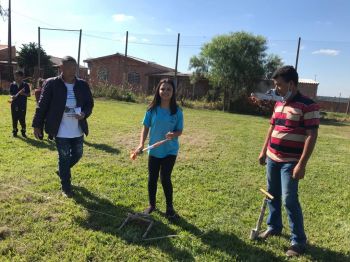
(139, 217)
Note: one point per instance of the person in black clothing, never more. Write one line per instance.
(64, 105)
(19, 91)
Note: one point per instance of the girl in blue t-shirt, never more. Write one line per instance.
(163, 120)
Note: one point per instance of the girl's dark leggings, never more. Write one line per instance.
(164, 166)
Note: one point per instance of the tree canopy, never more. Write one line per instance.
(28, 59)
(234, 63)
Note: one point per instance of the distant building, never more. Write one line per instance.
(307, 87)
(4, 65)
(333, 104)
(117, 70)
(140, 75)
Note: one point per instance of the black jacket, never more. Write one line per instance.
(20, 101)
(52, 102)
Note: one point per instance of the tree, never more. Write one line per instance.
(271, 64)
(233, 63)
(28, 59)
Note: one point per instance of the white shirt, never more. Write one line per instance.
(69, 127)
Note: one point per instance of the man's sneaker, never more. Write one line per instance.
(14, 134)
(24, 135)
(171, 214)
(268, 233)
(149, 209)
(295, 250)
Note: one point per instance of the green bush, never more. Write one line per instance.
(113, 92)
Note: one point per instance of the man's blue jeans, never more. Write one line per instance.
(283, 187)
(70, 150)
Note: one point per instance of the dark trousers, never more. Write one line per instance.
(70, 150)
(164, 166)
(18, 114)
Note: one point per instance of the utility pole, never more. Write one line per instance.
(297, 59)
(10, 70)
(78, 70)
(177, 58)
(126, 43)
(125, 60)
(348, 107)
(39, 52)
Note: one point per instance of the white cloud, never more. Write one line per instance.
(169, 30)
(145, 40)
(324, 23)
(330, 52)
(122, 18)
(302, 47)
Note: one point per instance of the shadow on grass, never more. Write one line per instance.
(227, 243)
(324, 255)
(216, 240)
(131, 233)
(103, 147)
(48, 144)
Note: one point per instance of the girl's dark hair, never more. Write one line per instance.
(156, 99)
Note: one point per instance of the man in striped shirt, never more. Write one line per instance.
(288, 146)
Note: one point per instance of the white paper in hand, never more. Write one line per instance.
(77, 110)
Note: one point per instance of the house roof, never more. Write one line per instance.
(308, 81)
(3, 47)
(55, 60)
(170, 74)
(150, 63)
(332, 99)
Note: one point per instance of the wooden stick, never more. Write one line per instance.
(134, 154)
(267, 194)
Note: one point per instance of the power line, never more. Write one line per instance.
(139, 43)
(32, 18)
(158, 34)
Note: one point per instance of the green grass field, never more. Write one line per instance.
(216, 181)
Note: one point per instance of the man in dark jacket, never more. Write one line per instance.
(19, 92)
(64, 105)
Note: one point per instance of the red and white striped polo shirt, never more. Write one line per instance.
(291, 119)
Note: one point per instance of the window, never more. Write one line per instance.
(102, 74)
(134, 78)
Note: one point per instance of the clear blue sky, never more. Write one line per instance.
(153, 26)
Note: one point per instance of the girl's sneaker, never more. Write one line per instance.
(171, 214)
(149, 210)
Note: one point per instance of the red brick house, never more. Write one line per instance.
(140, 75)
(4, 71)
(117, 70)
(333, 104)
